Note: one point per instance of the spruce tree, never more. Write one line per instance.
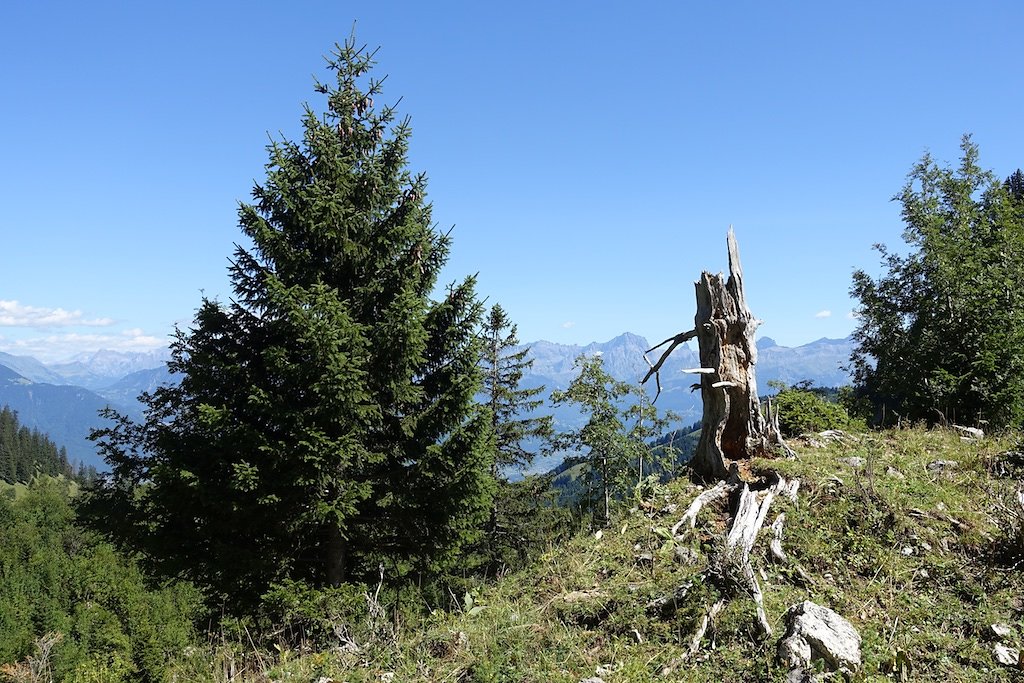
(325, 422)
(519, 516)
(515, 426)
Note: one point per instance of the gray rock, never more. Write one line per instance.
(824, 635)
(894, 473)
(1007, 656)
(685, 555)
(942, 465)
(1000, 631)
(853, 461)
(793, 651)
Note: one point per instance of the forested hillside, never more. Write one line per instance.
(26, 453)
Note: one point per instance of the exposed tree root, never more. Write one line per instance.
(718, 491)
(730, 569)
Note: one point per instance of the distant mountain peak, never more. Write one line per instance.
(830, 341)
(765, 343)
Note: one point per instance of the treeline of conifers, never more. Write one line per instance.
(26, 453)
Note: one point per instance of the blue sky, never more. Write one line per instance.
(591, 156)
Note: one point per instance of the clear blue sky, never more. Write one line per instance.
(590, 155)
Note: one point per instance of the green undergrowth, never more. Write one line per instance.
(919, 557)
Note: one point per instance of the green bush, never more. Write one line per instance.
(803, 409)
(299, 614)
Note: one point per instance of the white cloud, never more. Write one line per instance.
(60, 347)
(823, 314)
(14, 314)
(568, 324)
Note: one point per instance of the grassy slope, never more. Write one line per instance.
(917, 560)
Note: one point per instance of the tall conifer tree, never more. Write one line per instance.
(511, 404)
(520, 512)
(325, 420)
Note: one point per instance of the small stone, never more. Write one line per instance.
(388, 677)
(645, 559)
(894, 473)
(593, 679)
(907, 550)
(799, 675)
(1007, 656)
(853, 461)
(685, 555)
(1000, 631)
(942, 465)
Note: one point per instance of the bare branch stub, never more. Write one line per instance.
(655, 370)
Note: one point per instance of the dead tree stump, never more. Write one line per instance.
(733, 428)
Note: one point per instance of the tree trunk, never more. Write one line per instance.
(337, 556)
(733, 427)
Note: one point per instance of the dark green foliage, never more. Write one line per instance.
(528, 520)
(804, 409)
(676, 448)
(939, 333)
(59, 579)
(522, 515)
(512, 405)
(325, 421)
(303, 615)
(26, 453)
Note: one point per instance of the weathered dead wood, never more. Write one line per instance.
(655, 369)
(716, 492)
(732, 427)
(746, 524)
(776, 543)
(695, 639)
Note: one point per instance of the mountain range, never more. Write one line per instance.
(63, 399)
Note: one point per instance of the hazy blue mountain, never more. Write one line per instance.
(820, 361)
(29, 368)
(101, 369)
(127, 389)
(62, 399)
(65, 413)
